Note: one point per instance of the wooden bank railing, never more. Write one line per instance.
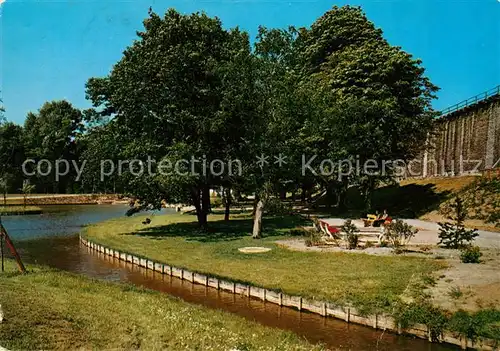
(325, 309)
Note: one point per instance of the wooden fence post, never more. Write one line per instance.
(10, 245)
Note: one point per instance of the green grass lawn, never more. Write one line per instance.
(19, 210)
(48, 309)
(366, 281)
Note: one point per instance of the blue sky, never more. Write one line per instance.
(50, 48)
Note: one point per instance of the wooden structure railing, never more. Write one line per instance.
(471, 101)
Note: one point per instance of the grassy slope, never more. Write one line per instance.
(425, 198)
(365, 280)
(481, 197)
(451, 184)
(48, 309)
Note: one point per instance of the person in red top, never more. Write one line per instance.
(381, 219)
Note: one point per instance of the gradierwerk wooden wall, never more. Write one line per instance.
(464, 142)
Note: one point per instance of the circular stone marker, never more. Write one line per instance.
(254, 249)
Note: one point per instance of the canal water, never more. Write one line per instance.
(51, 239)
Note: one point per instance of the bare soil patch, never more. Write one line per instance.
(469, 286)
(464, 286)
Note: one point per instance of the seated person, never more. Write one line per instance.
(381, 219)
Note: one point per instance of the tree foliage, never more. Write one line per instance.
(51, 134)
(453, 234)
(399, 234)
(11, 156)
(189, 89)
(184, 89)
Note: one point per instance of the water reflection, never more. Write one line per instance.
(61, 220)
(64, 252)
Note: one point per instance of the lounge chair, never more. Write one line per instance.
(330, 233)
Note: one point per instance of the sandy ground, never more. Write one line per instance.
(460, 285)
(414, 250)
(428, 234)
(469, 286)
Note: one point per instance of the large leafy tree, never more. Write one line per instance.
(189, 88)
(378, 95)
(286, 106)
(11, 154)
(183, 89)
(336, 30)
(100, 152)
(11, 157)
(51, 134)
(2, 110)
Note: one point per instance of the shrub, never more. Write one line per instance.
(481, 200)
(369, 244)
(424, 313)
(351, 234)
(455, 293)
(274, 206)
(464, 325)
(215, 201)
(429, 280)
(316, 223)
(314, 238)
(489, 323)
(454, 235)
(399, 234)
(299, 232)
(352, 241)
(481, 324)
(470, 254)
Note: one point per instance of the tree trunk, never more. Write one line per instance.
(341, 200)
(370, 186)
(255, 202)
(368, 200)
(283, 194)
(257, 223)
(201, 215)
(330, 195)
(227, 197)
(205, 199)
(309, 194)
(237, 195)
